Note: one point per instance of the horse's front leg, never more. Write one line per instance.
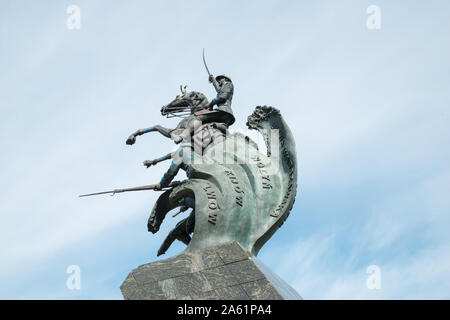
(164, 131)
(149, 163)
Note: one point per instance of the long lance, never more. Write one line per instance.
(204, 62)
(147, 187)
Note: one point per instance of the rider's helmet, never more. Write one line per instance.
(223, 76)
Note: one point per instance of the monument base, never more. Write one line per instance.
(225, 272)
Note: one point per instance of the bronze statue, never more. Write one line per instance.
(236, 193)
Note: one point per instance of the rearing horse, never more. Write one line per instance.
(187, 105)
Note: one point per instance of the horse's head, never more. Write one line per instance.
(185, 103)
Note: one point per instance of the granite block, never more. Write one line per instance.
(129, 286)
(226, 272)
(245, 271)
(207, 259)
(261, 290)
(209, 295)
(192, 284)
(232, 293)
(232, 252)
(220, 277)
(153, 291)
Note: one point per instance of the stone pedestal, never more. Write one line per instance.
(226, 272)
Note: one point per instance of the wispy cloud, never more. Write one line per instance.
(369, 112)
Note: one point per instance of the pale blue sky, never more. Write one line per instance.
(369, 110)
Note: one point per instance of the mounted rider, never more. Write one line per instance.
(219, 118)
(225, 89)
